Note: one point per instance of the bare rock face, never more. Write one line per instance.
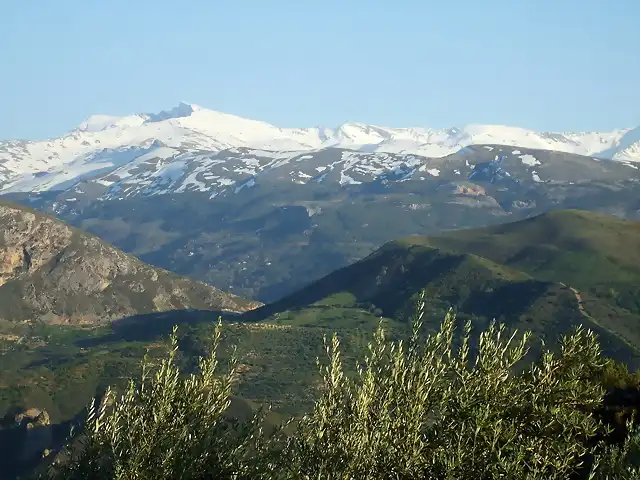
(54, 273)
(469, 189)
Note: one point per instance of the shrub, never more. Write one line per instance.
(425, 409)
(166, 426)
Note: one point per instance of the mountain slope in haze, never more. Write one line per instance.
(105, 143)
(518, 273)
(159, 170)
(272, 236)
(54, 273)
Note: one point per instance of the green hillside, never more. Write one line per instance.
(596, 254)
(585, 249)
(544, 274)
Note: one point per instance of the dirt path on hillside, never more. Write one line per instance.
(579, 299)
(585, 314)
(580, 302)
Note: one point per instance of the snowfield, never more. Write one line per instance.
(190, 148)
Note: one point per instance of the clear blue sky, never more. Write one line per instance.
(542, 64)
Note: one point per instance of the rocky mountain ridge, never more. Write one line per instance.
(165, 170)
(54, 273)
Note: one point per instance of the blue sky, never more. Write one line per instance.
(541, 64)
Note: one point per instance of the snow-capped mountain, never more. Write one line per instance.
(146, 153)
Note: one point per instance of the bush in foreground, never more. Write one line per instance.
(165, 426)
(420, 409)
(425, 410)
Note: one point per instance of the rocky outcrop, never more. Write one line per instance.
(26, 436)
(468, 189)
(54, 273)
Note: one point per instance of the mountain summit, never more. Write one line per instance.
(220, 130)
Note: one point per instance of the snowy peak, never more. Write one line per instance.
(192, 125)
(97, 123)
(627, 148)
(195, 130)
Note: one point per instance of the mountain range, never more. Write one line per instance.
(261, 211)
(190, 148)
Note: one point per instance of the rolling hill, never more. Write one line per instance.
(545, 274)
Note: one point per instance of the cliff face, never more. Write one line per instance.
(54, 273)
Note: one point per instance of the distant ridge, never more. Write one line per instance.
(189, 126)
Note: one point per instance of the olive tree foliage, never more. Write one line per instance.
(423, 409)
(166, 425)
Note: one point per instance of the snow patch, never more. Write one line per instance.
(191, 183)
(529, 160)
(347, 180)
(172, 172)
(248, 184)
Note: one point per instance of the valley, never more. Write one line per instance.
(517, 273)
